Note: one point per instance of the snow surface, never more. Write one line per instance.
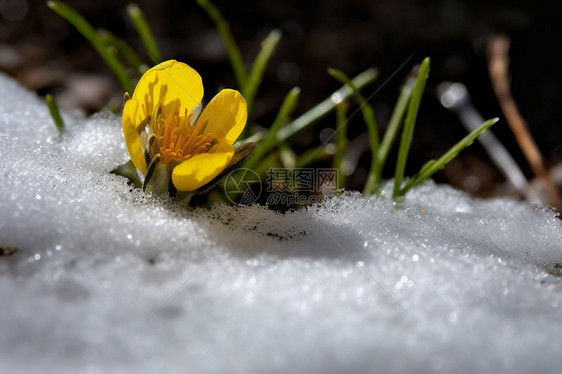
(108, 280)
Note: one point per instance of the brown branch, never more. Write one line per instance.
(498, 64)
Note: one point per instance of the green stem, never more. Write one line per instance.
(409, 124)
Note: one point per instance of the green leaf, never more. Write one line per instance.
(392, 129)
(309, 157)
(124, 51)
(145, 33)
(326, 106)
(250, 88)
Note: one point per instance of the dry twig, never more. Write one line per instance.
(498, 64)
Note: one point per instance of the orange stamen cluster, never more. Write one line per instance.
(178, 140)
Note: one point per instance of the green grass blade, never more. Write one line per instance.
(326, 106)
(369, 117)
(287, 156)
(255, 138)
(233, 51)
(434, 165)
(341, 142)
(393, 127)
(366, 109)
(145, 33)
(124, 51)
(258, 68)
(309, 157)
(270, 140)
(90, 34)
(55, 114)
(409, 124)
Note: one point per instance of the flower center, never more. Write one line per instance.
(177, 139)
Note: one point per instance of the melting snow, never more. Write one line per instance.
(105, 279)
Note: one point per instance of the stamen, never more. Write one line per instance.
(183, 137)
(176, 140)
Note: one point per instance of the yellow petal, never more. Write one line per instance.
(132, 138)
(226, 115)
(173, 85)
(199, 170)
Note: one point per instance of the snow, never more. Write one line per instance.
(106, 279)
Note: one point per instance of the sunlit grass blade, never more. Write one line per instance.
(258, 68)
(126, 53)
(255, 138)
(145, 33)
(270, 140)
(393, 127)
(369, 117)
(55, 113)
(326, 106)
(409, 124)
(233, 51)
(90, 34)
(434, 165)
(341, 142)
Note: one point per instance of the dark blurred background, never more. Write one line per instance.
(45, 53)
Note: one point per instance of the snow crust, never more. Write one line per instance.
(105, 279)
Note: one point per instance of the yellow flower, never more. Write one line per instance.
(165, 130)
